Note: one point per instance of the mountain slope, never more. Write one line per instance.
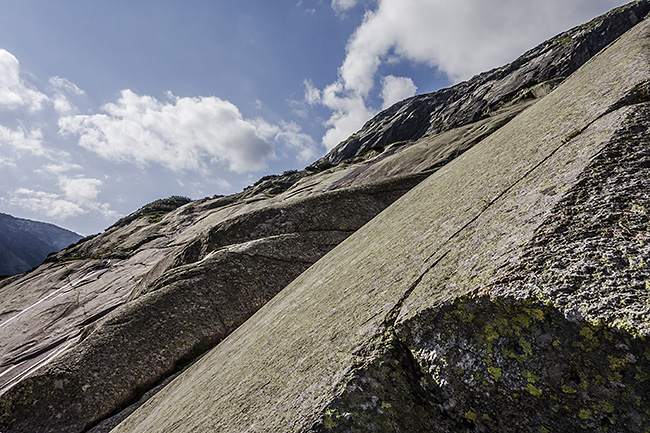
(115, 317)
(24, 244)
(452, 310)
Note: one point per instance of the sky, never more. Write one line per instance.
(106, 106)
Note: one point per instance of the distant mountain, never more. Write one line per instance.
(24, 244)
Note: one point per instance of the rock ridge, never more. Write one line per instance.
(454, 334)
(338, 263)
(534, 74)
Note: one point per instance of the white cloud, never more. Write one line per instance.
(312, 94)
(183, 134)
(58, 168)
(349, 114)
(457, 38)
(460, 38)
(43, 203)
(15, 92)
(80, 190)
(302, 144)
(23, 141)
(62, 89)
(64, 85)
(78, 196)
(395, 89)
(343, 5)
(7, 162)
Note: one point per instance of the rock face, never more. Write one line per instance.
(506, 292)
(488, 275)
(24, 244)
(532, 75)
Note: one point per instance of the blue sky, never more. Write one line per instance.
(106, 106)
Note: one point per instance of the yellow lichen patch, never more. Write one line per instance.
(567, 389)
(587, 333)
(641, 375)
(615, 363)
(537, 314)
(607, 407)
(523, 319)
(530, 376)
(533, 390)
(328, 419)
(526, 346)
(495, 372)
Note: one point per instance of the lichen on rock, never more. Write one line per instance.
(518, 364)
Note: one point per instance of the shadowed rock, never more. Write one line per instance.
(475, 302)
(119, 315)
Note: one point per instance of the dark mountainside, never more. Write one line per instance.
(24, 244)
(472, 260)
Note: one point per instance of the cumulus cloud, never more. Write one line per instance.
(16, 93)
(181, 134)
(81, 190)
(304, 147)
(22, 141)
(7, 162)
(44, 203)
(312, 94)
(349, 113)
(457, 38)
(58, 168)
(64, 85)
(395, 89)
(77, 196)
(349, 110)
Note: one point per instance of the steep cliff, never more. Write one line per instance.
(496, 245)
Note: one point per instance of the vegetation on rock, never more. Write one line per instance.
(471, 260)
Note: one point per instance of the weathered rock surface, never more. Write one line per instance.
(507, 292)
(118, 315)
(532, 75)
(185, 303)
(24, 244)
